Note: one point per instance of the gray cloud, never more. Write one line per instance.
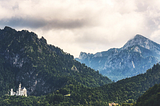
(66, 24)
(20, 22)
(44, 24)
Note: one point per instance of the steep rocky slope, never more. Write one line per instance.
(136, 56)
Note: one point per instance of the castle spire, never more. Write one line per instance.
(20, 85)
(19, 90)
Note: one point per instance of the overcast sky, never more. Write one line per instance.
(84, 25)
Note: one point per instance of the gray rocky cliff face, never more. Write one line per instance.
(135, 57)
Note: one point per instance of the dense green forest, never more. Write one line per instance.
(151, 97)
(125, 92)
(41, 68)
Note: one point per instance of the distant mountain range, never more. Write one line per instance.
(41, 68)
(135, 57)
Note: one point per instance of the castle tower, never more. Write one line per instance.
(19, 90)
(25, 92)
(12, 92)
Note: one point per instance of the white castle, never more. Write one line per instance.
(20, 91)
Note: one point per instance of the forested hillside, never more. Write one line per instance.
(41, 68)
(127, 90)
(151, 97)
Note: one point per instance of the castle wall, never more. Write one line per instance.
(20, 92)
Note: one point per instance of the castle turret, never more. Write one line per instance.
(12, 93)
(19, 90)
(25, 92)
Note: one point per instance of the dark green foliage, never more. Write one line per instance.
(128, 104)
(23, 101)
(124, 92)
(151, 97)
(130, 88)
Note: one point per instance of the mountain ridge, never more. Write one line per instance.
(136, 56)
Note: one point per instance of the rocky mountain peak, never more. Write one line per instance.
(138, 36)
(143, 42)
(7, 28)
(137, 40)
(84, 55)
(135, 57)
(43, 40)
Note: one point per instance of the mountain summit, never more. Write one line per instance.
(143, 42)
(135, 57)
